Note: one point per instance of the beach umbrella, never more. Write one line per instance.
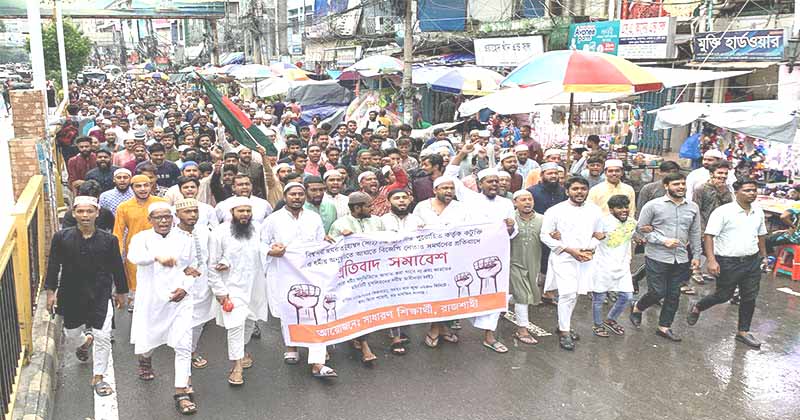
(582, 72)
(288, 71)
(469, 80)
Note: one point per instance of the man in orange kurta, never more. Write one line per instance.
(131, 218)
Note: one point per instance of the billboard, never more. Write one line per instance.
(754, 45)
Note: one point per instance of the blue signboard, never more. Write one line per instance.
(755, 45)
(595, 36)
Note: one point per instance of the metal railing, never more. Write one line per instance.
(21, 277)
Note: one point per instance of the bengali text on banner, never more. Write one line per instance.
(363, 283)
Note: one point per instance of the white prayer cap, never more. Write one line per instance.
(520, 193)
(186, 203)
(484, 133)
(487, 172)
(269, 132)
(520, 148)
(442, 179)
(386, 170)
(714, 153)
(549, 166)
(292, 185)
(561, 169)
(507, 154)
(503, 174)
(105, 121)
(282, 165)
(474, 131)
(614, 163)
(183, 147)
(123, 171)
(259, 115)
(330, 173)
(239, 202)
(158, 205)
(550, 152)
(364, 175)
(85, 200)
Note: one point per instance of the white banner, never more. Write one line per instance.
(647, 38)
(507, 52)
(336, 292)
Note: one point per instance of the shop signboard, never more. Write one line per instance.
(507, 52)
(752, 45)
(651, 38)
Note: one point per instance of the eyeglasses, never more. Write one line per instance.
(161, 218)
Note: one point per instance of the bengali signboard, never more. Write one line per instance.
(336, 292)
(754, 45)
(652, 38)
(507, 52)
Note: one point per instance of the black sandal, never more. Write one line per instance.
(185, 409)
(146, 369)
(614, 327)
(600, 331)
(398, 349)
(82, 352)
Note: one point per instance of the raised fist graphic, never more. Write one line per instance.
(304, 297)
(329, 303)
(463, 280)
(487, 270)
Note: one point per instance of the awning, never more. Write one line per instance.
(679, 77)
(769, 120)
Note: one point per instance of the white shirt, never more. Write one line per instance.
(454, 214)
(482, 209)
(261, 209)
(409, 223)
(340, 202)
(735, 231)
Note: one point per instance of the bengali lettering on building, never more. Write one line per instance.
(754, 45)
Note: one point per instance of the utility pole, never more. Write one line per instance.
(212, 23)
(408, 56)
(62, 54)
(281, 26)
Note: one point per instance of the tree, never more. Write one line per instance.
(77, 46)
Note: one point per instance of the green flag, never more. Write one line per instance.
(236, 121)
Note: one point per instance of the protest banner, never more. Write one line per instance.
(336, 292)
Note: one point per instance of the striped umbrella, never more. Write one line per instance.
(469, 80)
(288, 71)
(372, 66)
(583, 71)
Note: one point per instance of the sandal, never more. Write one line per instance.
(82, 352)
(431, 342)
(247, 361)
(549, 301)
(398, 349)
(290, 357)
(688, 290)
(404, 338)
(184, 404)
(236, 378)
(102, 389)
(496, 347)
(455, 325)
(199, 362)
(130, 307)
(449, 337)
(367, 360)
(146, 369)
(325, 372)
(600, 331)
(614, 327)
(525, 339)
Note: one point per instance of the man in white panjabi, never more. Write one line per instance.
(287, 227)
(164, 304)
(571, 230)
(236, 277)
(242, 187)
(205, 307)
(486, 206)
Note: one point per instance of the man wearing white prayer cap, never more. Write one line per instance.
(242, 190)
(613, 185)
(164, 304)
(525, 163)
(526, 251)
(486, 206)
(508, 163)
(701, 175)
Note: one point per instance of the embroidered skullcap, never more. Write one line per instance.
(122, 171)
(442, 179)
(364, 175)
(292, 185)
(158, 205)
(239, 202)
(520, 193)
(186, 203)
(549, 166)
(613, 163)
(507, 154)
(85, 200)
(140, 178)
(358, 197)
(487, 172)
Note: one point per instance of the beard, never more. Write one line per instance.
(399, 212)
(242, 230)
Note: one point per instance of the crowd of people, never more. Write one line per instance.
(177, 222)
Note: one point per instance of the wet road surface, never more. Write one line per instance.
(636, 376)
